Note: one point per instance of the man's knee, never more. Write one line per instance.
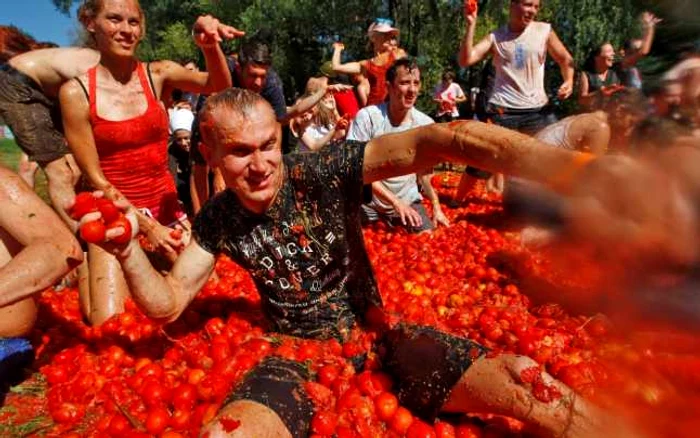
(246, 419)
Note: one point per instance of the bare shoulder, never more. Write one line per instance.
(72, 92)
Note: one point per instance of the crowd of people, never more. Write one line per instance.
(195, 160)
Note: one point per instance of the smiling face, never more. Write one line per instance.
(253, 76)
(384, 41)
(606, 57)
(117, 27)
(404, 89)
(247, 149)
(522, 13)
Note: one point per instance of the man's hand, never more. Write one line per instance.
(565, 90)
(338, 46)
(408, 216)
(439, 217)
(209, 31)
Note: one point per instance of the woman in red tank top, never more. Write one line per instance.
(117, 128)
(383, 38)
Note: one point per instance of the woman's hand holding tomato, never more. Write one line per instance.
(102, 221)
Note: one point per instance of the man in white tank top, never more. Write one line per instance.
(519, 51)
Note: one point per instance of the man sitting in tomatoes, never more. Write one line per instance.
(294, 223)
(397, 199)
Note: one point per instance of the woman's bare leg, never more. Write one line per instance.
(108, 288)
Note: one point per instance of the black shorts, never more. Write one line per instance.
(33, 117)
(425, 364)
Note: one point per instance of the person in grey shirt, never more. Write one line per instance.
(398, 199)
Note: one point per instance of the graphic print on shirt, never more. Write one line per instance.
(519, 56)
(306, 252)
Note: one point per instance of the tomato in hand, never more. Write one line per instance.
(109, 211)
(471, 6)
(84, 203)
(93, 231)
(125, 237)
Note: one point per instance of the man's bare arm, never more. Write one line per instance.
(49, 249)
(481, 145)
(166, 297)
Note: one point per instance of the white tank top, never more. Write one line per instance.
(519, 62)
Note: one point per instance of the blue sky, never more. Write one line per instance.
(40, 19)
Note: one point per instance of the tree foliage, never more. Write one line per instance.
(302, 31)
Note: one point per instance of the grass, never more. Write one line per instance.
(9, 157)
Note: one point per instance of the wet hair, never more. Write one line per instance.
(14, 42)
(239, 101)
(448, 76)
(628, 99)
(255, 51)
(657, 133)
(91, 8)
(593, 53)
(407, 63)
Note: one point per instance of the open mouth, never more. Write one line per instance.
(259, 183)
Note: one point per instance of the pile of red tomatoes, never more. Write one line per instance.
(134, 377)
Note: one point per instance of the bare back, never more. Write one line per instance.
(50, 68)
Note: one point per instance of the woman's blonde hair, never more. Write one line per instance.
(89, 10)
(324, 116)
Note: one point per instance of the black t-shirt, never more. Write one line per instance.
(306, 253)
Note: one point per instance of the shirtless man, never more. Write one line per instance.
(36, 249)
(29, 85)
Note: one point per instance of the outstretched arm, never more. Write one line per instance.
(618, 201)
(208, 32)
(49, 249)
(165, 297)
(649, 22)
(349, 68)
(481, 145)
(469, 54)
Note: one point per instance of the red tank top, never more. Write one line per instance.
(376, 75)
(134, 153)
(346, 102)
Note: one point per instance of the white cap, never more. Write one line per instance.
(181, 118)
(381, 26)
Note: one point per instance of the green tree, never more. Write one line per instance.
(431, 30)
